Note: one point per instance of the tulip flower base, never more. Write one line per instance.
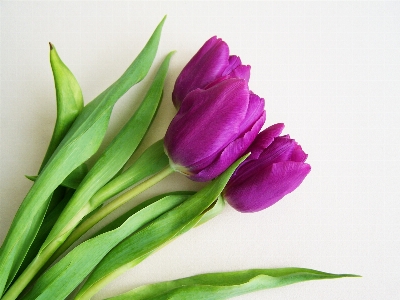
(216, 137)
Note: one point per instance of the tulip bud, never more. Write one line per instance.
(213, 128)
(211, 63)
(275, 168)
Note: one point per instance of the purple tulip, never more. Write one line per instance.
(211, 63)
(213, 128)
(275, 168)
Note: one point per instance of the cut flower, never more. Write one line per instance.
(275, 168)
(213, 128)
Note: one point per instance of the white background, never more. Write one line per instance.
(329, 70)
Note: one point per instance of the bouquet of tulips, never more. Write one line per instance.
(215, 137)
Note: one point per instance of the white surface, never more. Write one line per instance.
(329, 71)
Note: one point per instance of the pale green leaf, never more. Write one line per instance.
(69, 101)
(216, 286)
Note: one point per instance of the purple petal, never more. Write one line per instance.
(206, 123)
(264, 139)
(249, 128)
(254, 112)
(242, 72)
(235, 69)
(231, 153)
(281, 149)
(205, 66)
(298, 154)
(233, 62)
(267, 186)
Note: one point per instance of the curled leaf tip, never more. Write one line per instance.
(51, 46)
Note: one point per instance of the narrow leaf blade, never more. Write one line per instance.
(225, 285)
(69, 101)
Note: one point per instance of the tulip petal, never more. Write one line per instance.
(235, 69)
(235, 149)
(206, 123)
(266, 187)
(242, 72)
(205, 66)
(264, 139)
(281, 149)
(254, 111)
(234, 62)
(249, 128)
(298, 154)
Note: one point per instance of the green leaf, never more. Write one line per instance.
(73, 180)
(111, 161)
(61, 279)
(69, 101)
(141, 244)
(81, 142)
(215, 286)
(121, 219)
(152, 162)
(214, 210)
(48, 222)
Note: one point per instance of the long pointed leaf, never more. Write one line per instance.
(60, 280)
(69, 101)
(81, 142)
(215, 286)
(132, 250)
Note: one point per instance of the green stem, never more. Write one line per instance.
(97, 216)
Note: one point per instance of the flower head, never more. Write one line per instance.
(213, 128)
(275, 168)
